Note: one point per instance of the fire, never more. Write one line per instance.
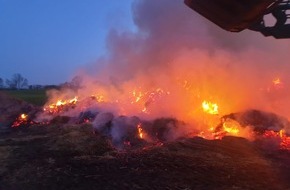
(277, 81)
(60, 105)
(210, 108)
(231, 127)
(137, 96)
(140, 131)
(99, 98)
(144, 101)
(284, 140)
(22, 119)
(23, 116)
(144, 98)
(73, 101)
(277, 84)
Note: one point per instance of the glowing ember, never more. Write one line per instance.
(98, 98)
(20, 120)
(140, 131)
(284, 140)
(145, 98)
(210, 108)
(277, 84)
(137, 96)
(23, 116)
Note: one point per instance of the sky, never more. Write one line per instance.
(47, 41)
(51, 41)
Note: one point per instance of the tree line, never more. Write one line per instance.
(17, 81)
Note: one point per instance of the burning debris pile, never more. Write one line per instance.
(139, 131)
(155, 85)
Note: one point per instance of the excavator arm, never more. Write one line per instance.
(238, 15)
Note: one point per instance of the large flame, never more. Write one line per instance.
(211, 108)
(232, 127)
(60, 105)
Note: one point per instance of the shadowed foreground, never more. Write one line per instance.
(72, 157)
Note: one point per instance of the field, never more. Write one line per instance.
(36, 97)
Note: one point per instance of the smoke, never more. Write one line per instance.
(174, 61)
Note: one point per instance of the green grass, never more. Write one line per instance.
(36, 97)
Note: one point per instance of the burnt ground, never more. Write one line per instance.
(73, 157)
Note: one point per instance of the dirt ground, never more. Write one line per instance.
(73, 157)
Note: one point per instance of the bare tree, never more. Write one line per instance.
(17, 81)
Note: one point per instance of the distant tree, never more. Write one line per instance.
(17, 82)
(35, 87)
(1, 83)
(49, 87)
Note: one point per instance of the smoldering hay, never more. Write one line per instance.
(174, 61)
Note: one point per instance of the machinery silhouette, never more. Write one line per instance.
(238, 15)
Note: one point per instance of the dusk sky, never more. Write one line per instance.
(50, 41)
(47, 41)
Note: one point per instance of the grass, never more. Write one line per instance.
(35, 97)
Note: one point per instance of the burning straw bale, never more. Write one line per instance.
(165, 128)
(260, 120)
(132, 131)
(87, 116)
(124, 129)
(102, 123)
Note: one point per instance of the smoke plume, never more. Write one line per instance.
(175, 60)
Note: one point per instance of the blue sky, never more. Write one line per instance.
(48, 40)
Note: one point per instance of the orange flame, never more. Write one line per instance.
(231, 127)
(20, 120)
(277, 81)
(59, 105)
(140, 131)
(210, 108)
